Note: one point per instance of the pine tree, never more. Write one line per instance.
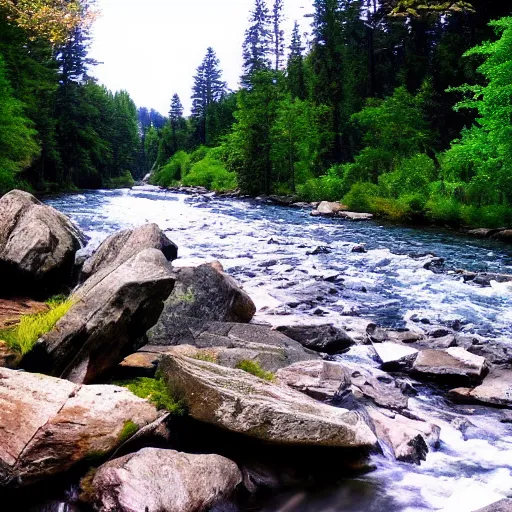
(176, 111)
(296, 80)
(208, 89)
(278, 34)
(256, 46)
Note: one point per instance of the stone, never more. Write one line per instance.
(323, 338)
(37, 246)
(155, 480)
(201, 294)
(11, 310)
(394, 356)
(408, 439)
(482, 232)
(355, 216)
(505, 505)
(496, 389)
(452, 363)
(330, 209)
(48, 425)
(111, 312)
(8, 357)
(123, 245)
(359, 248)
(239, 402)
(139, 364)
(323, 380)
(504, 235)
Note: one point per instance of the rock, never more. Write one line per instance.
(359, 248)
(355, 216)
(164, 480)
(504, 235)
(377, 334)
(482, 232)
(141, 364)
(201, 294)
(452, 363)
(408, 439)
(8, 357)
(442, 342)
(394, 356)
(37, 246)
(496, 389)
(323, 338)
(484, 278)
(11, 310)
(330, 209)
(319, 250)
(47, 425)
(504, 505)
(323, 380)
(123, 245)
(240, 402)
(111, 313)
(506, 417)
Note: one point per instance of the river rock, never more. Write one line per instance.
(408, 439)
(240, 402)
(201, 294)
(355, 216)
(329, 209)
(496, 389)
(110, 314)
(395, 356)
(37, 246)
(323, 338)
(154, 480)
(324, 380)
(47, 425)
(504, 235)
(482, 232)
(452, 363)
(123, 245)
(504, 505)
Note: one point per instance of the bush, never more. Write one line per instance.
(123, 181)
(444, 210)
(173, 171)
(211, 174)
(255, 369)
(328, 187)
(361, 197)
(23, 337)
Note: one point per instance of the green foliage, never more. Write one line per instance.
(173, 171)
(329, 187)
(123, 181)
(155, 391)
(23, 337)
(211, 174)
(361, 197)
(255, 369)
(129, 430)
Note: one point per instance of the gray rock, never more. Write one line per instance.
(323, 338)
(329, 209)
(154, 480)
(452, 363)
(504, 505)
(123, 245)
(355, 216)
(240, 402)
(201, 294)
(110, 314)
(395, 356)
(37, 246)
(47, 425)
(496, 389)
(504, 235)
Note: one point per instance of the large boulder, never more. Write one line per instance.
(504, 235)
(323, 338)
(395, 356)
(496, 389)
(123, 245)
(154, 480)
(330, 209)
(111, 313)
(451, 364)
(37, 246)
(47, 425)
(237, 401)
(203, 293)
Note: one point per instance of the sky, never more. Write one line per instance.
(152, 48)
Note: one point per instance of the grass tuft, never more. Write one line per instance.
(255, 369)
(23, 336)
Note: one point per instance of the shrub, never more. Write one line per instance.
(361, 197)
(123, 181)
(23, 337)
(329, 187)
(445, 210)
(173, 171)
(211, 174)
(254, 368)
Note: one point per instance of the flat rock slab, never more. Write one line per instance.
(47, 425)
(325, 338)
(154, 480)
(453, 362)
(240, 402)
(395, 355)
(496, 389)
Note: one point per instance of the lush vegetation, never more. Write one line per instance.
(24, 335)
(255, 369)
(400, 108)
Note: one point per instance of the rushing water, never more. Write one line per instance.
(267, 249)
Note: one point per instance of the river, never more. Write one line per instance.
(268, 249)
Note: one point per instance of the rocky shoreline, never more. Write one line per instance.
(242, 408)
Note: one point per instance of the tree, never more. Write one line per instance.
(208, 89)
(295, 68)
(278, 33)
(256, 46)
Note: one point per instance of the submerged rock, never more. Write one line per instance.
(323, 338)
(240, 402)
(47, 425)
(37, 246)
(123, 245)
(111, 312)
(201, 294)
(154, 480)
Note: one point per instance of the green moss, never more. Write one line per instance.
(155, 391)
(203, 355)
(129, 429)
(254, 368)
(23, 337)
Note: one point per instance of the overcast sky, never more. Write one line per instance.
(152, 47)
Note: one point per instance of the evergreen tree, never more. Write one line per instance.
(278, 34)
(256, 46)
(295, 68)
